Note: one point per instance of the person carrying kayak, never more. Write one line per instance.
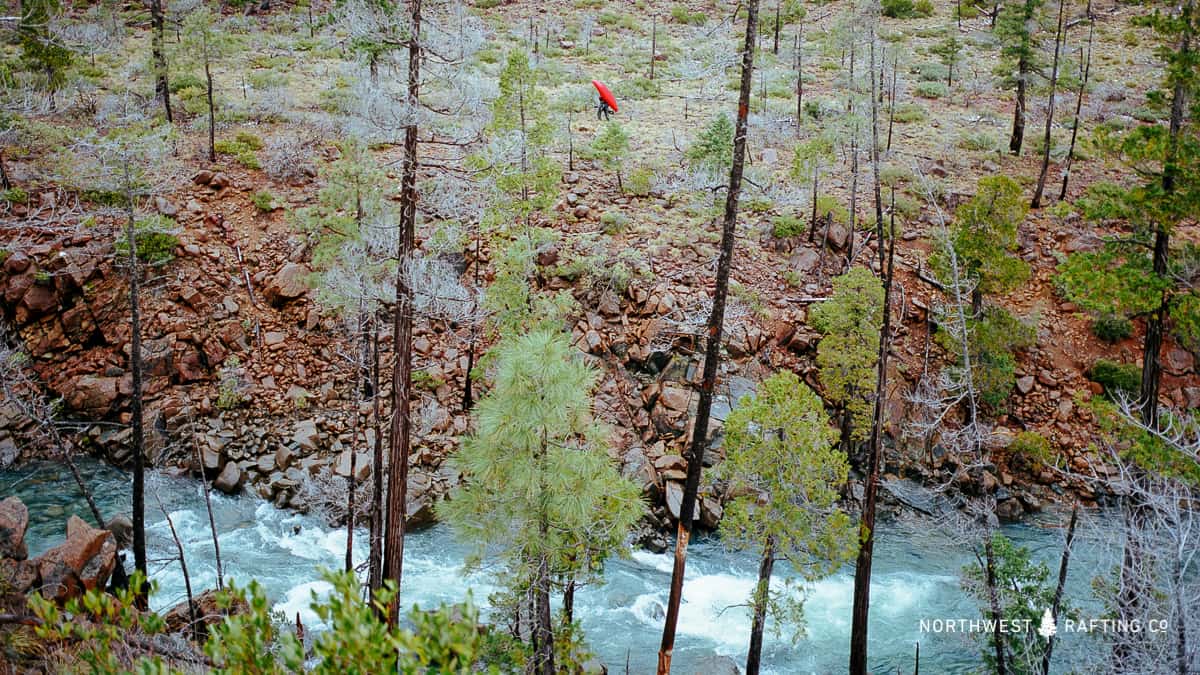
(607, 103)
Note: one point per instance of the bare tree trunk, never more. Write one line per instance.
(775, 45)
(375, 565)
(543, 631)
(1018, 130)
(187, 579)
(1087, 68)
(860, 614)
(212, 523)
(138, 439)
(653, 43)
(212, 113)
(1041, 184)
(402, 334)
(569, 601)
(754, 658)
(994, 603)
(800, 77)
(1061, 587)
(161, 87)
(712, 353)
(892, 104)
(352, 487)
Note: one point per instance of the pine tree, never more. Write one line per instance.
(41, 51)
(611, 147)
(847, 354)
(712, 151)
(782, 460)
(1020, 57)
(984, 235)
(204, 44)
(539, 490)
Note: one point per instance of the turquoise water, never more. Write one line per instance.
(916, 577)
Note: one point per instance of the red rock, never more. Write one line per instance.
(39, 299)
(93, 393)
(83, 562)
(14, 518)
(289, 283)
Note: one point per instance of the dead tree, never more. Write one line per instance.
(712, 354)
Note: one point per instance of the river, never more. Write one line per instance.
(916, 576)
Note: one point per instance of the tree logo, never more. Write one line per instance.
(1048, 629)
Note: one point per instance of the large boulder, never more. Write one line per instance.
(14, 518)
(289, 283)
(94, 393)
(230, 479)
(81, 563)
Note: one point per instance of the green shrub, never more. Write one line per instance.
(15, 196)
(1116, 377)
(907, 9)
(977, 141)
(242, 148)
(931, 72)
(263, 201)
(681, 14)
(788, 225)
(640, 181)
(154, 239)
(1033, 448)
(932, 90)
(614, 222)
(759, 204)
(906, 113)
(1112, 328)
(827, 204)
(637, 89)
(185, 81)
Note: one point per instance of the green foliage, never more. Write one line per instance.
(185, 81)
(538, 489)
(101, 623)
(230, 387)
(1117, 378)
(637, 89)
(243, 152)
(829, 205)
(1118, 281)
(993, 338)
(1033, 448)
(788, 225)
(155, 240)
(782, 461)
(984, 237)
(1016, 28)
(907, 9)
(14, 195)
(1024, 592)
(907, 113)
(613, 222)
(948, 51)
(611, 146)
(263, 200)
(42, 53)
(712, 150)
(680, 14)
(640, 181)
(931, 90)
(1112, 328)
(850, 320)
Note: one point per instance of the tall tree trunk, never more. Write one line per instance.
(1018, 130)
(5, 183)
(402, 333)
(1041, 184)
(994, 604)
(138, 439)
(653, 43)
(375, 565)
(543, 637)
(212, 113)
(1087, 68)
(161, 87)
(800, 77)
(569, 601)
(860, 614)
(775, 45)
(761, 591)
(1061, 587)
(712, 352)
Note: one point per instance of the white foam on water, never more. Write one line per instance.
(299, 600)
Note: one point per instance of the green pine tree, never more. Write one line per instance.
(782, 461)
(539, 494)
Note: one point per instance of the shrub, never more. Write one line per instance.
(827, 204)
(637, 89)
(907, 9)
(680, 14)
(15, 196)
(185, 81)
(1112, 328)
(263, 201)
(788, 225)
(640, 182)
(932, 90)
(1033, 448)
(242, 148)
(154, 239)
(931, 72)
(759, 204)
(1117, 378)
(977, 141)
(614, 222)
(907, 113)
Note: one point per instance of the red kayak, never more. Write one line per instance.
(605, 95)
